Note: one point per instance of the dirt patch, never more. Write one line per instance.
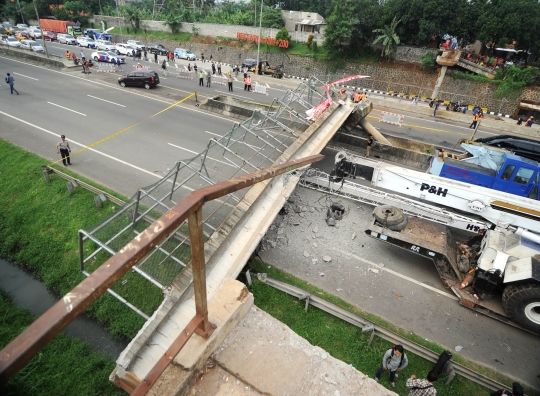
(402, 65)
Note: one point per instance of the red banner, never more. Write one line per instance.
(263, 40)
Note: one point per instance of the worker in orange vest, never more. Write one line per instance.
(247, 83)
(475, 120)
(356, 97)
(68, 55)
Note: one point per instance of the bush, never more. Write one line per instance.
(310, 40)
(428, 61)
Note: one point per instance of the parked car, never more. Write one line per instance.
(107, 56)
(34, 33)
(49, 35)
(86, 42)
(105, 45)
(22, 25)
(137, 44)
(6, 24)
(523, 147)
(182, 53)
(11, 41)
(12, 30)
(250, 63)
(147, 79)
(156, 48)
(124, 49)
(66, 39)
(31, 45)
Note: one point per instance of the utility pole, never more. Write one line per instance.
(41, 30)
(260, 33)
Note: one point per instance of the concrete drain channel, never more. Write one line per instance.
(375, 330)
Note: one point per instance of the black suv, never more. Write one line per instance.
(250, 63)
(520, 146)
(147, 79)
(156, 48)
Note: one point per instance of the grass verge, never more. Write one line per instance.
(347, 343)
(64, 367)
(39, 222)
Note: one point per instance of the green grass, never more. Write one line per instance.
(473, 77)
(39, 222)
(66, 366)
(347, 343)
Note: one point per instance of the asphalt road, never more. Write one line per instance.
(89, 109)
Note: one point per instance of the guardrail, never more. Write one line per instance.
(19, 351)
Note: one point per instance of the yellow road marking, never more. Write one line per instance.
(124, 130)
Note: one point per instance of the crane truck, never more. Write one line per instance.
(495, 272)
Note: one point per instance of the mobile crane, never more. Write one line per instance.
(501, 263)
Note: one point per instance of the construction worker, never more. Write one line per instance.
(476, 117)
(247, 83)
(68, 55)
(357, 97)
(201, 78)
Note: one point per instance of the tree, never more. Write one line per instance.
(132, 15)
(283, 34)
(272, 18)
(174, 21)
(339, 24)
(388, 37)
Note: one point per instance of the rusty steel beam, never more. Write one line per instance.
(164, 361)
(198, 264)
(19, 351)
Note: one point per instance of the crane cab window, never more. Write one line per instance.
(523, 176)
(508, 172)
(534, 193)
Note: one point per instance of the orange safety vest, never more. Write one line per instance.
(476, 117)
(247, 81)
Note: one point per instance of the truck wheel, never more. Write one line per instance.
(388, 215)
(399, 226)
(522, 304)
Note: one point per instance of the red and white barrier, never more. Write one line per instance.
(260, 88)
(141, 67)
(391, 118)
(106, 67)
(184, 74)
(217, 79)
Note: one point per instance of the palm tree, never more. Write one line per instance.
(388, 37)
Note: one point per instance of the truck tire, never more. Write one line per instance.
(399, 226)
(522, 304)
(388, 215)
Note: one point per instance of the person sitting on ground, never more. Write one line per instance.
(517, 390)
(420, 387)
(529, 122)
(394, 360)
(68, 55)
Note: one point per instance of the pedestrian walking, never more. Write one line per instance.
(236, 70)
(394, 360)
(476, 117)
(421, 387)
(370, 144)
(139, 54)
(211, 56)
(145, 55)
(11, 82)
(435, 108)
(213, 68)
(529, 122)
(63, 149)
(202, 57)
(219, 68)
(230, 81)
(171, 56)
(189, 67)
(208, 80)
(517, 390)
(195, 67)
(83, 56)
(119, 64)
(134, 55)
(164, 67)
(155, 57)
(201, 79)
(520, 120)
(245, 70)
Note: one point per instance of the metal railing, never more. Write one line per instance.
(19, 351)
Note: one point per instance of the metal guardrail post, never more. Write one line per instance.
(196, 236)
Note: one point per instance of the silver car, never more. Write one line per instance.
(11, 41)
(31, 45)
(66, 39)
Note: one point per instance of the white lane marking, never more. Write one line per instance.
(194, 152)
(215, 134)
(108, 156)
(133, 92)
(22, 75)
(238, 96)
(65, 108)
(450, 296)
(108, 101)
